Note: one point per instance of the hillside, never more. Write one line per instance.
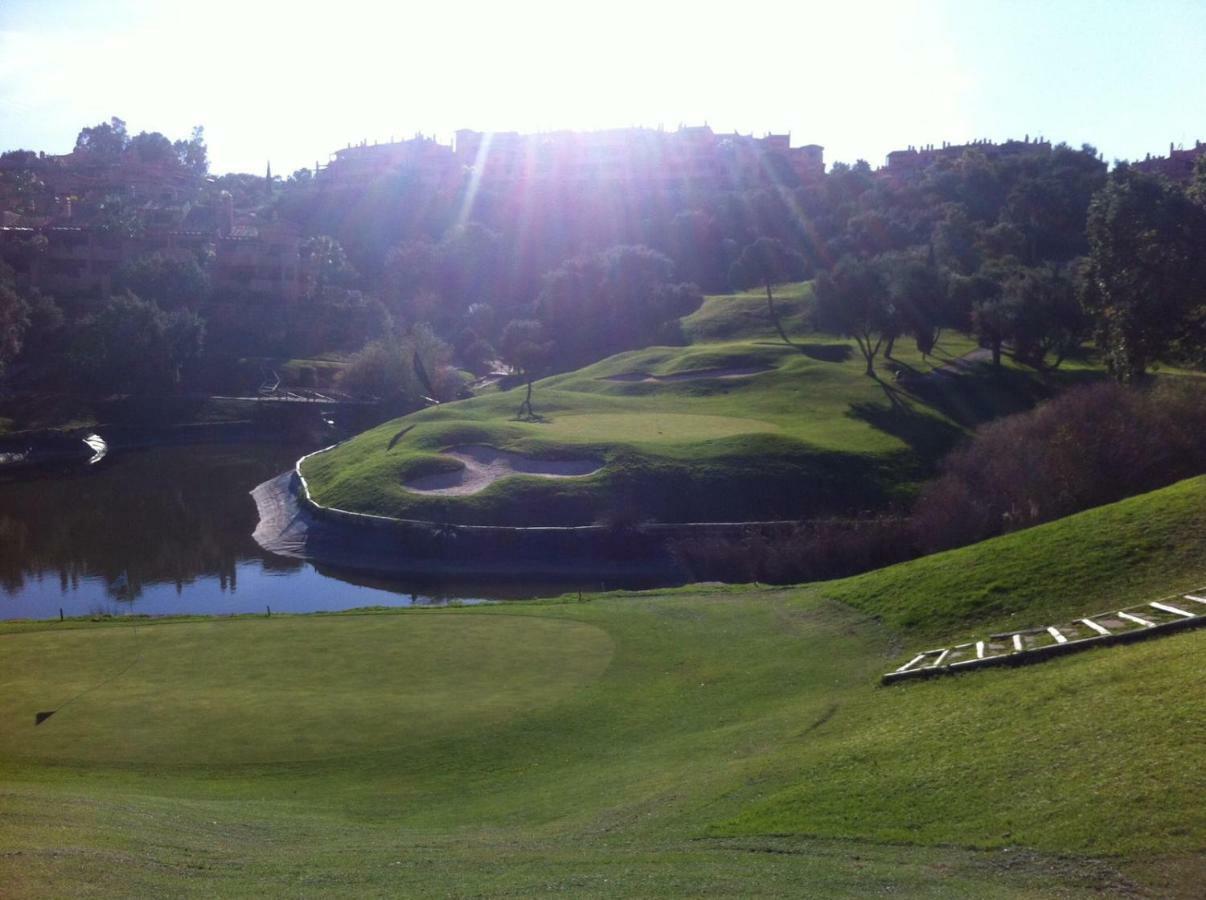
(728, 741)
(736, 426)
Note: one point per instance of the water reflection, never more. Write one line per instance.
(133, 523)
(168, 531)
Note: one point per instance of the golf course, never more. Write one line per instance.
(730, 741)
(735, 425)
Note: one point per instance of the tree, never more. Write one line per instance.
(151, 148)
(105, 141)
(525, 348)
(131, 345)
(14, 320)
(171, 282)
(1046, 318)
(852, 302)
(116, 216)
(602, 303)
(917, 294)
(1145, 272)
(193, 154)
(768, 261)
(327, 264)
(976, 300)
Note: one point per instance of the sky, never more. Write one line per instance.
(291, 82)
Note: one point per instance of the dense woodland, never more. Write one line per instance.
(1035, 251)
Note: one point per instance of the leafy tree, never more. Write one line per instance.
(151, 148)
(526, 348)
(918, 296)
(853, 302)
(14, 320)
(131, 345)
(114, 215)
(193, 154)
(977, 300)
(956, 241)
(766, 262)
(173, 283)
(602, 303)
(1145, 272)
(696, 243)
(105, 141)
(1045, 316)
(327, 264)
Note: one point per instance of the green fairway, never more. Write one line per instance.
(800, 431)
(730, 741)
(240, 700)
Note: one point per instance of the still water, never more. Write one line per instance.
(167, 531)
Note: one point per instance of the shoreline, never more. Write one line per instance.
(293, 524)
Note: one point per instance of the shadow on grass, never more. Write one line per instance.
(971, 397)
(929, 436)
(983, 393)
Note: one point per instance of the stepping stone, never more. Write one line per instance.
(1172, 609)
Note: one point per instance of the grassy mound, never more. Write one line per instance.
(811, 435)
(695, 741)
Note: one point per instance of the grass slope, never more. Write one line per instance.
(729, 741)
(812, 435)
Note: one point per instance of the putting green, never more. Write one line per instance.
(179, 694)
(648, 426)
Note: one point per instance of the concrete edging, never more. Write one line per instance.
(665, 529)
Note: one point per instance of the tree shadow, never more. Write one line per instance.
(929, 436)
(974, 397)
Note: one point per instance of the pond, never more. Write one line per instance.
(167, 531)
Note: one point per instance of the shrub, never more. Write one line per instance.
(1093, 445)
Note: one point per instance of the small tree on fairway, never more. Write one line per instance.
(852, 302)
(524, 348)
(767, 262)
(918, 295)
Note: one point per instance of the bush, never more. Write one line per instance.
(388, 371)
(809, 551)
(1093, 445)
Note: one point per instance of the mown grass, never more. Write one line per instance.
(812, 435)
(728, 741)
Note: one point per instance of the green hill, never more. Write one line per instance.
(729, 741)
(740, 428)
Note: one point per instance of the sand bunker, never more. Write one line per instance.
(485, 465)
(695, 375)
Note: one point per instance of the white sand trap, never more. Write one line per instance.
(696, 375)
(485, 465)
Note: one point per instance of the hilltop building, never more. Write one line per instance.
(570, 157)
(914, 159)
(1177, 166)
